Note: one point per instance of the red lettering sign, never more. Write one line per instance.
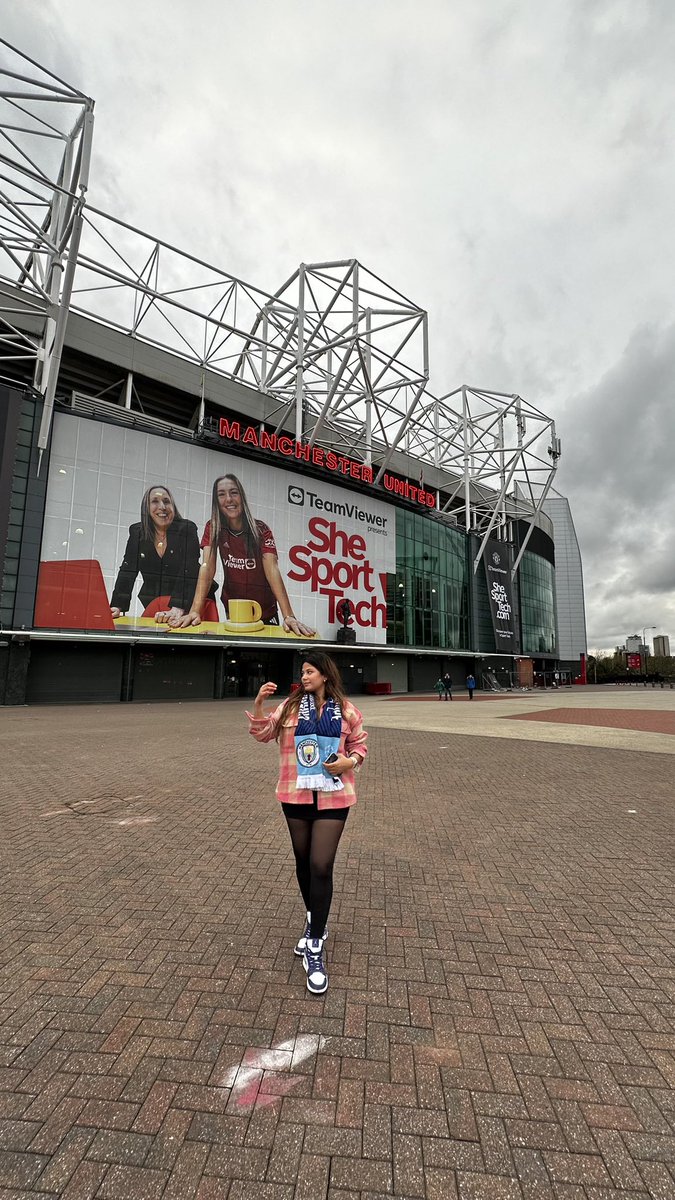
(338, 464)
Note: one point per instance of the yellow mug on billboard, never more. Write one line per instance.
(243, 612)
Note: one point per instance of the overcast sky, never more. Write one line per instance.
(507, 165)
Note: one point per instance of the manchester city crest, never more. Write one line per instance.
(308, 752)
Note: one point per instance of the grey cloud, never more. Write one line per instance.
(620, 473)
(36, 28)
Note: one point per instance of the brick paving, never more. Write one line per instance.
(653, 721)
(462, 697)
(501, 1016)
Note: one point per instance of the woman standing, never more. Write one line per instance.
(248, 553)
(322, 741)
(163, 548)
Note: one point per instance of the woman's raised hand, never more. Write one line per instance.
(267, 690)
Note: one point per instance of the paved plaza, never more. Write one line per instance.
(500, 1021)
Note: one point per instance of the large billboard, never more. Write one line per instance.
(498, 575)
(146, 532)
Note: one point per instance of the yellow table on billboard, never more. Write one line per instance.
(206, 628)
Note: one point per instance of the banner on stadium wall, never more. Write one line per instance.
(131, 517)
(500, 592)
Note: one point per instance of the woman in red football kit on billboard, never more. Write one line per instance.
(248, 553)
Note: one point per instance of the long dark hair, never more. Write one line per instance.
(250, 530)
(147, 523)
(334, 686)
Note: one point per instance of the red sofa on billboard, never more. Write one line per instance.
(72, 595)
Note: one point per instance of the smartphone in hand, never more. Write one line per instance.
(331, 758)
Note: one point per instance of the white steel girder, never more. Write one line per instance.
(499, 454)
(46, 129)
(359, 364)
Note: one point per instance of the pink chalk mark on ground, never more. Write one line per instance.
(265, 1074)
(244, 1089)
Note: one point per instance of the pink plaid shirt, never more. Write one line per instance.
(352, 741)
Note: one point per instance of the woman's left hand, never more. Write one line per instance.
(342, 763)
(167, 615)
(293, 625)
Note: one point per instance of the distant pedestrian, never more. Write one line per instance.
(447, 684)
(439, 687)
(471, 685)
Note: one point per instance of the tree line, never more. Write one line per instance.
(607, 666)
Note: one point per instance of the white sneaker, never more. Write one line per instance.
(312, 961)
(299, 949)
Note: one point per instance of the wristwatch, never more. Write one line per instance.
(353, 758)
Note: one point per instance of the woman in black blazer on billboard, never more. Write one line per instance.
(163, 548)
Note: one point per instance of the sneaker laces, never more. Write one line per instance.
(314, 954)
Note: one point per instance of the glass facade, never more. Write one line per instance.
(537, 605)
(427, 599)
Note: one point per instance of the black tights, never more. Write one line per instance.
(315, 845)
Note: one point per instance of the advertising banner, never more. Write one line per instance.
(498, 574)
(145, 532)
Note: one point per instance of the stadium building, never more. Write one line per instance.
(154, 408)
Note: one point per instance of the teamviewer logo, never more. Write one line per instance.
(296, 495)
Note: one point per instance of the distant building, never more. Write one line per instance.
(662, 646)
(634, 645)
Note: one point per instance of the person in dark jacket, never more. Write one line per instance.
(163, 547)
